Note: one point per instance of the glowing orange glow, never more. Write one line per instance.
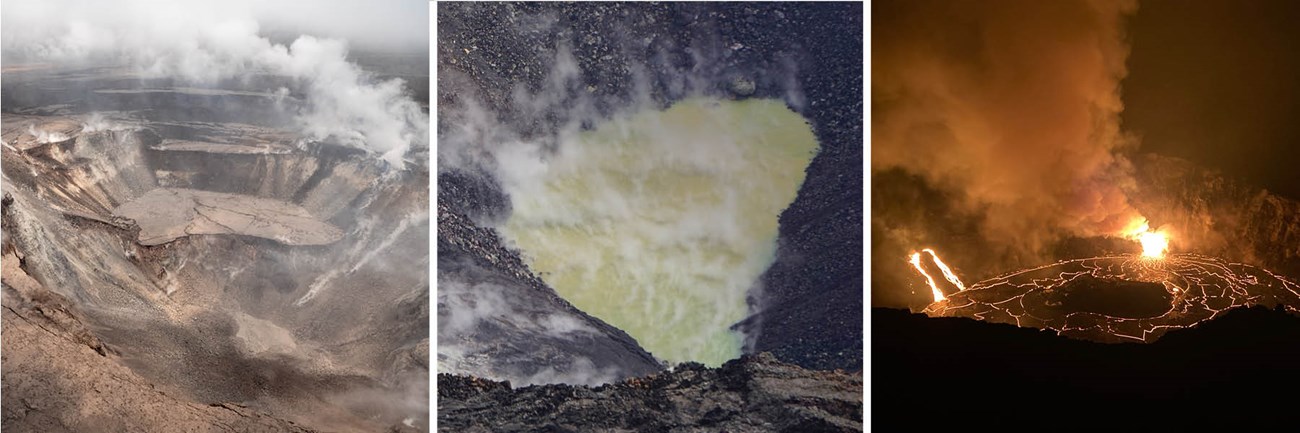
(1154, 243)
(948, 274)
(1136, 227)
(1202, 288)
(916, 262)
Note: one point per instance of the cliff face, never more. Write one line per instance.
(756, 393)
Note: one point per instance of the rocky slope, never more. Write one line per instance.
(809, 308)
(59, 377)
(756, 393)
(289, 279)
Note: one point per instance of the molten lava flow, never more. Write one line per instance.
(1154, 243)
(916, 262)
(1200, 289)
(948, 274)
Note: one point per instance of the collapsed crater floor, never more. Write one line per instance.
(169, 272)
(167, 214)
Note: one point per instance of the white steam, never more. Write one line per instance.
(202, 43)
(471, 312)
(42, 136)
(96, 122)
(363, 253)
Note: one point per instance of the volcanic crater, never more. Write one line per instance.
(234, 266)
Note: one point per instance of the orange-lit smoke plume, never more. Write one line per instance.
(1013, 106)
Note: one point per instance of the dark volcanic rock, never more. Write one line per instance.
(487, 50)
(474, 195)
(756, 393)
(811, 299)
(946, 373)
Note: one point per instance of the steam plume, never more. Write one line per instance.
(204, 42)
(1012, 107)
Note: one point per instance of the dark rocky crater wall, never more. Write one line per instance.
(289, 292)
(806, 309)
(753, 393)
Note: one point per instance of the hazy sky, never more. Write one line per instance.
(1216, 82)
(204, 42)
(397, 25)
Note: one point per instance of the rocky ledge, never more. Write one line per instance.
(756, 393)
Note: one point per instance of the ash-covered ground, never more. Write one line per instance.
(183, 256)
(533, 74)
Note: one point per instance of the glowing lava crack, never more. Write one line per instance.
(1199, 288)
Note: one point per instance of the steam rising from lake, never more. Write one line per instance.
(660, 222)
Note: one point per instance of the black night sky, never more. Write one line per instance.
(1216, 82)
